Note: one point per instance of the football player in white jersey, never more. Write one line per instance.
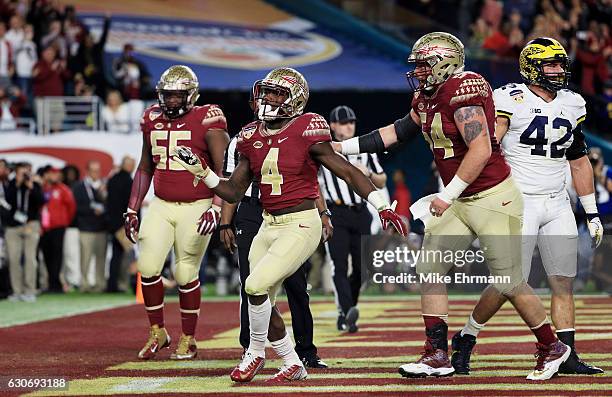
(539, 125)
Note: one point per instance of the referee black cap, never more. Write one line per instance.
(342, 114)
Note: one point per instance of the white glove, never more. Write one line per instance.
(595, 229)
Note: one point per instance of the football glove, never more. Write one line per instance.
(191, 162)
(208, 221)
(389, 216)
(131, 225)
(595, 229)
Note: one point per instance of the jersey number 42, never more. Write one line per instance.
(539, 126)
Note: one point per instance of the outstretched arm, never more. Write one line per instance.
(401, 130)
(324, 154)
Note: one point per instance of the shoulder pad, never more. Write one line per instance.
(213, 114)
(317, 125)
(468, 85)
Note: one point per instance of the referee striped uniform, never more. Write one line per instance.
(351, 219)
(247, 221)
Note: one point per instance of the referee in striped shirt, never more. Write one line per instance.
(247, 221)
(351, 219)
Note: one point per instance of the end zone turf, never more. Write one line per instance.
(97, 352)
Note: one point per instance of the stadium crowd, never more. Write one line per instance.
(46, 51)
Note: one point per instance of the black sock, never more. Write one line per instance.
(567, 337)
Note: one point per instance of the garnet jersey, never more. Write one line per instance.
(539, 133)
(280, 161)
(445, 140)
(171, 181)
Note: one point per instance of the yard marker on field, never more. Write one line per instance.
(139, 297)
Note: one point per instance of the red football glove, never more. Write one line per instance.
(208, 221)
(131, 226)
(389, 216)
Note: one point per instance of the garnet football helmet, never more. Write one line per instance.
(441, 54)
(535, 55)
(177, 80)
(280, 83)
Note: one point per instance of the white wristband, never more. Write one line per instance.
(588, 203)
(377, 199)
(211, 180)
(131, 211)
(350, 146)
(453, 190)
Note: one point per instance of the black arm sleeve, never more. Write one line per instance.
(371, 143)
(578, 148)
(406, 129)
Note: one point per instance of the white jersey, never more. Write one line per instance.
(538, 135)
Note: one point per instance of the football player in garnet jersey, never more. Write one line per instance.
(282, 151)
(172, 217)
(454, 111)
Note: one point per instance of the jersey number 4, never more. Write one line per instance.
(538, 125)
(269, 172)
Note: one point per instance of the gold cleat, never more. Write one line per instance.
(158, 339)
(186, 349)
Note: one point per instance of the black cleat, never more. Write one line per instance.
(462, 350)
(351, 319)
(314, 362)
(574, 365)
(341, 323)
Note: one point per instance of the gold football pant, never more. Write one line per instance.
(167, 224)
(281, 246)
(494, 216)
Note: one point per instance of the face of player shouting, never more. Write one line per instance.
(272, 101)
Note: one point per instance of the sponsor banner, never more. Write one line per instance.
(233, 56)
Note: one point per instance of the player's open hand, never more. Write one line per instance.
(389, 216)
(208, 221)
(131, 225)
(191, 162)
(438, 206)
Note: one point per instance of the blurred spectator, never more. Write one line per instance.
(119, 187)
(480, 32)
(11, 103)
(25, 197)
(606, 111)
(115, 114)
(90, 196)
(25, 59)
(49, 74)
(57, 214)
(71, 269)
(73, 30)
(89, 60)
(131, 75)
(16, 33)
(4, 174)
(592, 59)
(41, 14)
(402, 195)
(55, 38)
(491, 13)
(6, 58)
